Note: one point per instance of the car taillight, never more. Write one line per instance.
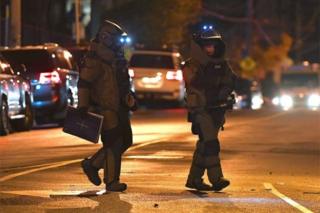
(131, 73)
(49, 77)
(174, 75)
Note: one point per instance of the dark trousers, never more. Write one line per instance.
(115, 142)
(206, 155)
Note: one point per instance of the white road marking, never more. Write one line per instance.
(56, 193)
(64, 163)
(44, 193)
(27, 167)
(51, 166)
(288, 200)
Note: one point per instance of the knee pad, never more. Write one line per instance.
(212, 161)
(199, 160)
(212, 147)
(200, 148)
(108, 137)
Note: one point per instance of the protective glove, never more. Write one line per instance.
(131, 101)
(231, 100)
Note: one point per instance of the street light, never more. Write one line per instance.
(77, 24)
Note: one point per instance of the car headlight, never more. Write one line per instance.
(257, 102)
(276, 101)
(286, 101)
(314, 100)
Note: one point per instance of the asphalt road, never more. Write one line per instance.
(271, 157)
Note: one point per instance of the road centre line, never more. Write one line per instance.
(42, 167)
(288, 200)
(261, 119)
(64, 163)
(53, 165)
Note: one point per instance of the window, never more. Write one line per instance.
(152, 61)
(36, 61)
(300, 80)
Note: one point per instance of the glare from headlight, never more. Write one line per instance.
(257, 102)
(286, 102)
(314, 100)
(276, 101)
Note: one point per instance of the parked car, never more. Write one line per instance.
(15, 100)
(157, 75)
(53, 76)
(248, 94)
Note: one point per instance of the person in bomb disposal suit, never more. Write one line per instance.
(209, 83)
(104, 88)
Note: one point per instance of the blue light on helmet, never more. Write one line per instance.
(122, 40)
(128, 40)
(207, 27)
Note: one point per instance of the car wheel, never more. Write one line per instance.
(4, 118)
(25, 123)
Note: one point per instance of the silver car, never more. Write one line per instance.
(157, 75)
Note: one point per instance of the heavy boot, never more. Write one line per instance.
(198, 184)
(91, 172)
(220, 184)
(112, 172)
(196, 172)
(215, 174)
(116, 186)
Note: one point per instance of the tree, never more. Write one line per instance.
(157, 22)
(273, 58)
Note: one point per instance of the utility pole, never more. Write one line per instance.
(249, 27)
(6, 24)
(15, 23)
(298, 42)
(1, 26)
(77, 23)
(319, 33)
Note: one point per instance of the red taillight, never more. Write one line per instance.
(174, 75)
(131, 73)
(49, 77)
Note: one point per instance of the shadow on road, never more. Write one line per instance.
(199, 193)
(107, 202)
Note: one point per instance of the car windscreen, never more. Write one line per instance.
(152, 61)
(35, 60)
(300, 80)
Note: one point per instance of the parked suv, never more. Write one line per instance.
(157, 75)
(15, 100)
(53, 76)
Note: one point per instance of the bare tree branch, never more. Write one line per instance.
(240, 20)
(226, 18)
